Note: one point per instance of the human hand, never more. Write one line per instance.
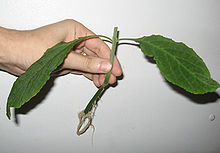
(90, 58)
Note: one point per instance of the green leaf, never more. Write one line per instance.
(179, 64)
(30, 83)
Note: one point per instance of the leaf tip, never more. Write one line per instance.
(9, 115)
(8, 112)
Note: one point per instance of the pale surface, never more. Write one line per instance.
(143, 113)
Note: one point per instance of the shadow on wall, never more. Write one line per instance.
(211, 97)
(36, 100)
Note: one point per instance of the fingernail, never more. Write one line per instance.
(106, 66)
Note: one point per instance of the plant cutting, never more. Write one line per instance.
(178, 63)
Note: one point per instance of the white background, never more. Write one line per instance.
(143, 113)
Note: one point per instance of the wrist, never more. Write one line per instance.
(12, 44)
(3, 46)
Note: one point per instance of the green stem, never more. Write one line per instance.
(101, 89)
(105, 37)
(93, 36)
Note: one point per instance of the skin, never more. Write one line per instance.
(20, 49)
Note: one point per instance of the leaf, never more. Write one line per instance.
(30, 83)
(179, 64)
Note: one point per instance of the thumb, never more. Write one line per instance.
(87, 63)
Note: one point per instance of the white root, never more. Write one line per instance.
(82, 119)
